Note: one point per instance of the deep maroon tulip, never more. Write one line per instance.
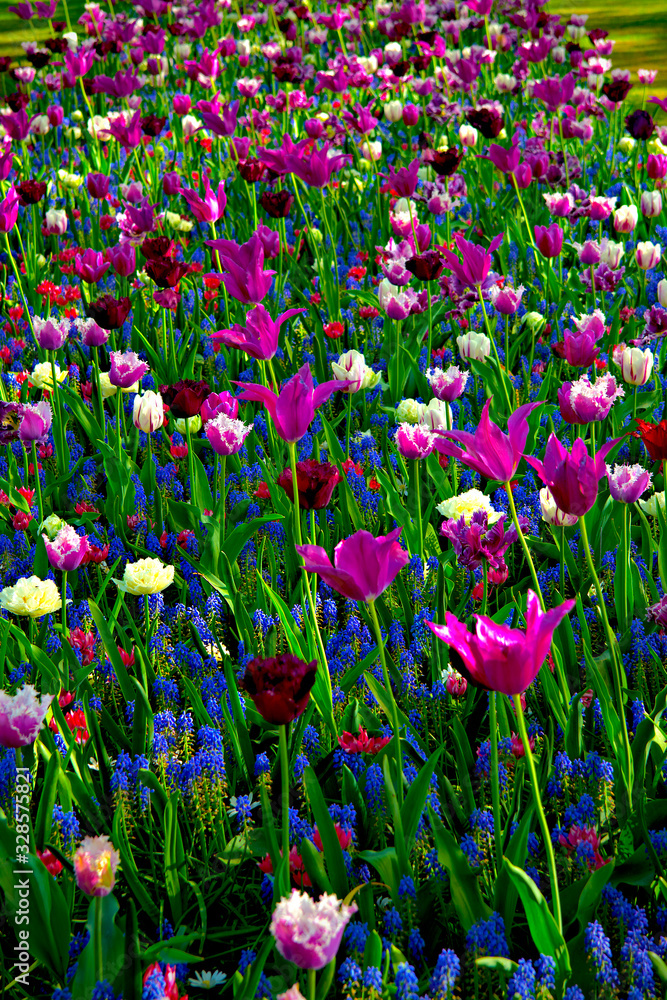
(152, 125)
(185, 397)
(640, 125)
(426, 266)
(108, 312)
(155, 248)
(616, 90)
(316, 482)
(277, 204)
(279, 686)
(98, 185)
(31, 192)
(486, 120)
(446, 162)
(166, 273)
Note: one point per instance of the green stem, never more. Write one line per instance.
(284, 787)
(99, 962)
(495, 779)
(64, 607)
(349, 422)
(539, 809)
(393, 708)
(611, 643)
(224, 494)
(312, 992)
(38, 485)
(418, 502)
(295, 491)
(501, 373)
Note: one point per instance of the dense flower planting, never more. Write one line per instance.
(333, 540)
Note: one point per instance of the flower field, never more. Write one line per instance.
(333, 535)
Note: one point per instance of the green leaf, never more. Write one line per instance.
(113, 949)
(413, 805)
(325, 825)
(505, 892)
(174, 858)
(466, 894)
(543, 928)
(111, 649)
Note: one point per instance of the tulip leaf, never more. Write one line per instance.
(464, 885)
(543, 928)
(120, 670)
(333, 852)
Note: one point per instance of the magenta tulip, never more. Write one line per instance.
(364, 566)
(549, 239)
(476, 261)
(68, 549)
(489, 451)
(293, 410)
(245, 278)
(572, 476)
(500, 658)
(259, 337)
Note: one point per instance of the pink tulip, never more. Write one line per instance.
(68, 550)
(259, 337)
(364, 566)
(572, 476)
(500, 658)
(293, 410)
(95, 863)
(475, 263)
(21, 716)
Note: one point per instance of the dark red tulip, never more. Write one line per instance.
(30, 192)
(108, 312)
(640, 125)
(152, 125)
(316, 482)
(277, 204)
(185, 397)
(157, 247)
(279, 686)
(486, 120)
(166, 273)
(426, 266)
(616, 90)
(445, 162)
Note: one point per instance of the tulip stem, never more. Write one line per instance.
(99, 961)
(501, 372)
(393, 708)
(284, 787)
(312, 992)
(38, 485)
(349, 422)
(223, 494)
(418, 503)
(64, 607)
(295, 491)
(611, 643)
(194, 493)
(494, 777)
(539, 809)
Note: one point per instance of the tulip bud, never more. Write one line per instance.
(647, 255)
(636, 365)
(456, 684)
(552, 514)
(651, 204)
(148, 413)
(627, 144)
(393, 111)
(95, 863)
(625, 218)
(662, 293)
(410, 115)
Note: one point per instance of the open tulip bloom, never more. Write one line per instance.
(293, 409)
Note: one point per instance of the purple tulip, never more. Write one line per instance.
(655, 613)
(476, 261)
(223, 124)
(554, 91)
(68, 550)
(35, 423)
(98, 185)
(92, 334)
(9, 210)
(478, 540)
(123, 259)
(414, 441)
(309, 933)
(21, 716)
(364, 566)
(90, 266)
(226, 434)
(171, 183)
(318, 170)
(506, 300)
(488, 451)
(628, 482)
(404, 181)
(582, 402)
(211, 207)
(500, 658)
(50, 336)
(293, 410)
(259, 337)
(572, 476)
(217, 403)
(126, 369)
(244, 277)
(549, 239)
(447, 385)
(505, 160)
(270, 241)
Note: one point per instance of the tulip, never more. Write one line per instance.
(55, 222)
(22, 716)
(572, 476)
(148, 411)
(549, 240)
(651, 205)
(98, 185)
(9, 210)
(393, 111)
(662, 293)
(92, 335)
(279, 686)
(145, 576)
(36, 419)
(216, 403)
(185, 398)
(126, 369)
(551, 513)
(211, 207)
(636, 365)
(499, 658)
(628, 482)
(625, 218)
(474, 345)
(582, 402)
(316, 482)
(468, 135)
(90, 266)
(293, 410)
(654, 437)
(411, 115)
(506, 300)
(259, 337)
(435, 415)
(648, 254)
(50, 335)
(475, 263)
(447, 385)
(404, 180)
(309, 933)
(108, 312)
(658, 612)
(244, 277)
(95, 863)
(488, 451)
(364, 566)
(640, 125)
(656, 166)
(353, 373)
(68, 550)
(226, 434)
(414, 441)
